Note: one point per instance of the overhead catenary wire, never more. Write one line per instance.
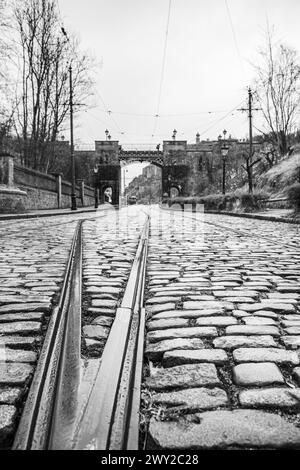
(235, 39)
(162, 70)
(113, 114)
(109, 113)
(214, 122)
(124, 113)
(217, 121)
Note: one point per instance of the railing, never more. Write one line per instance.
(283, 201)
(139, 147)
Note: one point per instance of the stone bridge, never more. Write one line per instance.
(177, 168)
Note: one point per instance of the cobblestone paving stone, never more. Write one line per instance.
(246, 274)
(33, 257)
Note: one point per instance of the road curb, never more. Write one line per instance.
(42, 214)
(269, 218)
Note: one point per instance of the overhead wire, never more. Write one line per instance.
(162, 70)
(219, 120)
(110, 113)
(157, 115)
(213, 123)
(161, 115)
(235, 39)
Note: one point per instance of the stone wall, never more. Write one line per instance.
(42, 191)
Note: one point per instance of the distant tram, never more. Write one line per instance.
(132, 200)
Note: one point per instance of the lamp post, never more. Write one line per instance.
(96, 170)
(224, 152)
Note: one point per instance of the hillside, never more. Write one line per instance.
(276, 180)
(147, 186)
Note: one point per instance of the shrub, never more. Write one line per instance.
(250, 202)
(238, 201)
(293, 194)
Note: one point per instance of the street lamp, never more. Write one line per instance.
(224, 152)
(96, 171)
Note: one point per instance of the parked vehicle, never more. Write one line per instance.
(132, 200)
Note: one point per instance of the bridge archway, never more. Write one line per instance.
(110, 157)
(107, 194)
(141, 180)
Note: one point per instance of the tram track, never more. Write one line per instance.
(52, 417)
(99, 408)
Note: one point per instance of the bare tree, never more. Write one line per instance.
(6, 109)
(45, 59)
(278, 86)
(269, 154)
(248, 168)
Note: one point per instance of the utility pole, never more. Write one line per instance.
(249, 163)
(73, 188)
(73, 193)
(250, 138)
(224, 152)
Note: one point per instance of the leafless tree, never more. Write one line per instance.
(269, 153)
(45, 59)
(248, 166)
(6, 110)
(278, 86)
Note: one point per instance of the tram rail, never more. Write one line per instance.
(110, 419)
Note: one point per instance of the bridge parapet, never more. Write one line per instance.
(131, 156)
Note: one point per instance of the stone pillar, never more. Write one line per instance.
(58, 188)
(12, 199)
(6, 169)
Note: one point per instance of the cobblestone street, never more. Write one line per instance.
(222, 301)
(223, 333)
(33, 260)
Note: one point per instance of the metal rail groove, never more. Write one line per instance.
(110, 419)
(51, 404)
(111, 416)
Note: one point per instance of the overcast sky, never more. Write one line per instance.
(210, 47)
